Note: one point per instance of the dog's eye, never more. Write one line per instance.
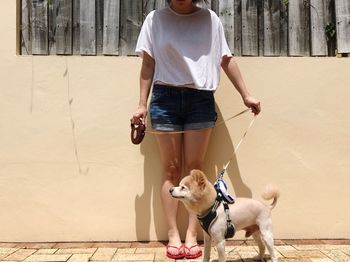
(182, 188)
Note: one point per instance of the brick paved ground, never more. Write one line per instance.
(237, 251)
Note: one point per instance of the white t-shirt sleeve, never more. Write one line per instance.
(144, 41)
(225, 50)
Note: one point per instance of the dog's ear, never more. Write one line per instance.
(199, 177)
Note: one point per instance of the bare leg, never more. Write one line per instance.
(170, 147)
(195, 148)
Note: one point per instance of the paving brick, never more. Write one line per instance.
(35, 245)
(48, 258)
(303, 242)
(294, 260)
(20, 254)
(7, 250)
(337, 255)
(74, 245)
(133, 257)
(76, 251)
(308, 247)
(79, 258)
(235, 243)
(336, 241)
(232, 256)
(104, 254)
(285, 248)
(8, 244)
(112, 244)
(45, 251)
(147, 244)
(303, 254)
(126, 250)
(150, 250)
(321, 260)
(334, 247)
(162, 257)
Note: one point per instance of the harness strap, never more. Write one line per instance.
(230, 229)
(208, 219)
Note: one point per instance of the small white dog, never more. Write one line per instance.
(199, 196)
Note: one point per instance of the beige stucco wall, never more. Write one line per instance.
(300, 142)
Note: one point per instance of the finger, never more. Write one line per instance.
(136, 120)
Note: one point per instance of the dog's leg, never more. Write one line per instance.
(257, 237)
(221, 250)
(207, 247)
(267, 236)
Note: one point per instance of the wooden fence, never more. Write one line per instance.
(252, 27)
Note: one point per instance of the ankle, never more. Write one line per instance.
(173, 235)
(191, 233)
(191, 237)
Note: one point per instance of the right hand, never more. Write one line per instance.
(140, 116)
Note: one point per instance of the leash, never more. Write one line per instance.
(142, 130)
(222, 172)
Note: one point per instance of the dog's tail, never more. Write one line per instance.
(271, 192)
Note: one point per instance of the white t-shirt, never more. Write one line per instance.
(187, 49)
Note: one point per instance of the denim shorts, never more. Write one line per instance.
(181, 108)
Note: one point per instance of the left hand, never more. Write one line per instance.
(253, 104)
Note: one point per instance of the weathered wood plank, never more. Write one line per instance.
(40, 31)
(149, 5)
(87, 27)
(130, 25)
(237, 27)
(76, 27)
(60, 27)
(99, 26)
(272, 17)
(215, 6)
(260, 6)
(299, 31)
(26, 43)
(160, 4)
(250, 28)
(206, 4)
(111, 27)
(318, 35)
(342, 10)
(330, 24)
(284, 29)
(226, 14)
(52, 27)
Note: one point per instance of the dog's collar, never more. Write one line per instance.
(208, 218)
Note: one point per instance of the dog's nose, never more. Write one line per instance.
(171, 190)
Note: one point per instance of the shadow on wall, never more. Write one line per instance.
(219, 152)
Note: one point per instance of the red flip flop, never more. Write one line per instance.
(179, 255)
(188, 254)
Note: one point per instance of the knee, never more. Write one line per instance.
(172, 173)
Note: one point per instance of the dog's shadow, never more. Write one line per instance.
(220, 150)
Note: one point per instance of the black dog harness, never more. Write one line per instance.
(208, 219)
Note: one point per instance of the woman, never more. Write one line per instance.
(183, 47)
